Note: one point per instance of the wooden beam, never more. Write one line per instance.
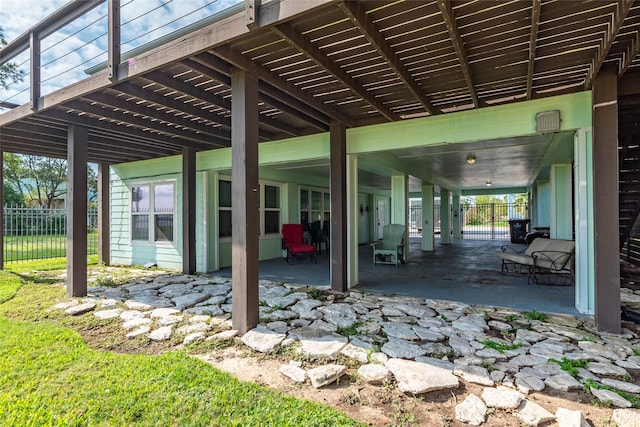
(77, 212)
(245, 218)
(237, 59)
(113, 34)
(622, 10)
(200, 65)
(127, 132)
(155, 115)
(228, 28)
(251, 13)
(339, 220)
(104, 216)
(190, 138)
(35, 77)
(630, 54)
(267, 93)
(533, 41)
(359, 17)
(452, 26)
(605, 201)
(301, 43)
(173, 104)
(188, 210)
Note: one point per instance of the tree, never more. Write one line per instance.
(9, 72)
(11, 196)
(41, 180)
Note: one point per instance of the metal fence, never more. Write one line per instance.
(484, 221)
(490, 221)
(37, 233)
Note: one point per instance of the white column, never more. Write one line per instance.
(561, 208)
(445, 207)
(585, 255)
(457, 227)
(427, 218)
(399, 206)
(352, 220)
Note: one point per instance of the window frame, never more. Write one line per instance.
(261, 209)
(325, 196)
(151, 215)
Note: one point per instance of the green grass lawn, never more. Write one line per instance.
(49, 376)
(17, 248)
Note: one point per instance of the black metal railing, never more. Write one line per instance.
(36, 233)
(478, 221)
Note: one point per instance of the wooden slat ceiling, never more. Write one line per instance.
(357, 62)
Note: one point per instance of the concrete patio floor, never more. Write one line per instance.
(466, 270)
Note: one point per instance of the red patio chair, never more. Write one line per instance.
(292, 241)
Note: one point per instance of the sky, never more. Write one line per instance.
(69, 52)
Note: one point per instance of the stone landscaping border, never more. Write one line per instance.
(424, 345)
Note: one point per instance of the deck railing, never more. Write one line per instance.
(36, 233)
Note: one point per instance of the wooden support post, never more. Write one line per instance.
(605, 200)
(244, 200)
(34, 74)
(77, 211)
(338, 189)
(188, 210)
(2, 209)
(114, 39)
(104, 216)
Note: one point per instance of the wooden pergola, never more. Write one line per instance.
(290, 68)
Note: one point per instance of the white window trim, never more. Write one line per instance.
(152, 213)
(261, 211)
(309, 210)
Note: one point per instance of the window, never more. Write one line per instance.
(152, 212)
(224, 208)
(314, 205)
(269, 208)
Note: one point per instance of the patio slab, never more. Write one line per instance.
(466, 270)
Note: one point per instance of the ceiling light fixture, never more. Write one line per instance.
(471, 158)
(488, 183)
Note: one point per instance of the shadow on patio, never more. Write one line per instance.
(466, 270)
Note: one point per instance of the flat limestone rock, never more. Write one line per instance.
(327, 345)
(325, 375)
(224, 335)
(608, 396)
(568, 418)
(622, 385)
(605, 368)
(191, 338)
(564, 382)
(474, 374)
(354, 352)
(142, 330)
(263, 340)
(627, 417)
(502, 397)
(532, 413)
(471, 411)
(136, 323)
(293, 372)
(77, 310)
(397, 348)
(108, 314)
(417, 378)
(374, 373)
(163, 333)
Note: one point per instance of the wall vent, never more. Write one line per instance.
(548, 121)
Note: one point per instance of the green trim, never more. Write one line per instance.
(501, 121)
